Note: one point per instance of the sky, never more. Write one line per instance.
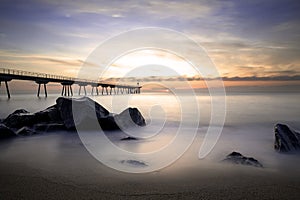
(258, 39)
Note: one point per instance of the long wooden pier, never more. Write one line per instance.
(42, 79)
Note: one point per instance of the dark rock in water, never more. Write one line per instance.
(50, 114)
(68, 114)
(6, 132)
(130, 117)
(286, 140)
(237, 158)
(19, 118)
(26, 131)
(80, 108)
(84, 112)
(135, 163)
(129, 138)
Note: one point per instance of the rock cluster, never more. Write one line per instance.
(69, 114)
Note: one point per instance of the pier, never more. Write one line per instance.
(42, 79)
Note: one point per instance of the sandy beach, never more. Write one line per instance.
(30, 168)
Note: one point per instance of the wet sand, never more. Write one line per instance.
(53, 167)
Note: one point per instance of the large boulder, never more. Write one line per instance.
(50, 114)
(86, 114)
(73, 111)
(238, 158)
(286, 139)
(131, 117)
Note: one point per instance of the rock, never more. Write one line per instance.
(129, 138)
(6, 132)
(71, 113)
(134, 163)
(131, 117)
(237, 158)
(19, 118)
(83, 108)
(50, 114)
(286, 140)
(87, 112)
(26, 131)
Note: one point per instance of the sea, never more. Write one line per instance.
(178, 128)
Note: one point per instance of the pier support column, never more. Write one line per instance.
(40, 82)
(67, 88)
(62, 90)
(81, 85)
(7, 89)
(39, 88)
(45, 89)
(71, 90)
(106, 90)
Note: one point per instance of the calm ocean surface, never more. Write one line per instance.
(241, 109)
(248, 128)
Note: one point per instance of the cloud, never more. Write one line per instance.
(244, 38)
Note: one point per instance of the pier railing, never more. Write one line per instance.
(7, 75)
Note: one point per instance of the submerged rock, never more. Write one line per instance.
(129, 138)
(237, 158)
(286, 140)
(135, 163)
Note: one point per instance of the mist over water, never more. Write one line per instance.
(248, 129)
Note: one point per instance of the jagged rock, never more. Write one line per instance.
(129, 138)
(237, 158)
(6, 132)
(130, 117)
(83, 108)
(286, 140)
(84, 112)
(26, 131)
(70, 113)
(19, 118)
(50, 114)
